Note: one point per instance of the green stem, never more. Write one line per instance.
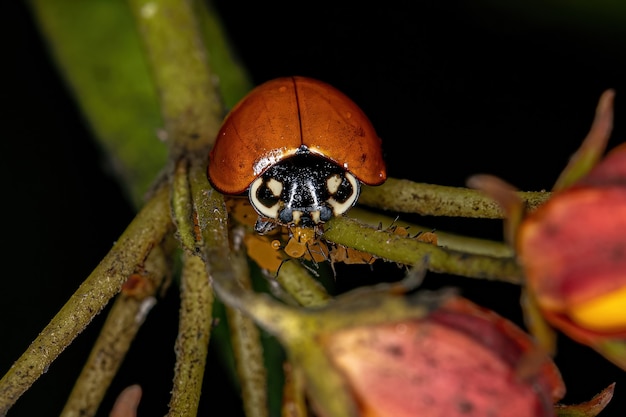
(410, 251)
(192, 344)
(247, 349)
(406, 196)
(190, 105)
(216, 252)
(131, 250)
(449, 240)
(299, 283)
(128, 313)
(182, 207)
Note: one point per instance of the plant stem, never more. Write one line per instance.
(247, 349)
(406, 196)
(192, 344)
(467, 244)
(190, 105)
(143, 233)
(128, 313)
(409, 251)
(299, 283)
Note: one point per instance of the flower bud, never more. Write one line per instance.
(460, 360)
(573, 251)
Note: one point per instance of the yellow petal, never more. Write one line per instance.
(603, 313)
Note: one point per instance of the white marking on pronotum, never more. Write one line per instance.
(275, 186)
(340, 208)
(333, 182)
(271, 212)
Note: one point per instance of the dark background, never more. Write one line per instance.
(453, 90)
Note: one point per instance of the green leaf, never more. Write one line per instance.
(98, 53)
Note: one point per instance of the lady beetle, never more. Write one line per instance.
(300, 148)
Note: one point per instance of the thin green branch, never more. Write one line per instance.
(225, 268)
(182, 207)
(212, 220)
(130, 251)
(213, 223)
(298, 283)
(449, 240)
(128, 313)
(247, 349)
(406, 196)
(196, 301)
(192, 344)
(409, 251)
(190, 105)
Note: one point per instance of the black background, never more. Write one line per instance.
(453, 90)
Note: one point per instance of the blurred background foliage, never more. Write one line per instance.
(453, 90)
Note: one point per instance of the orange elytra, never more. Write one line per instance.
(301, 148)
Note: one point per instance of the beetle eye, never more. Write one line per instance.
(343, 190)
(265, 196)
